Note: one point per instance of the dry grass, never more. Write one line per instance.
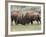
(27, 27)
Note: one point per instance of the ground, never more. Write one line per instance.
(27, 27)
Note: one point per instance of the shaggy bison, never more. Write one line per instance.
(17, 17)
(32, 16)
(14, 15)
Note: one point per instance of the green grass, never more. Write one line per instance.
(27, 27)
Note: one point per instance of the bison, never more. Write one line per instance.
(17, 17)
(32, 16)
(14, 15)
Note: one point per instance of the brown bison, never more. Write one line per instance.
(14, 15)
(17, 17)
(32, 16)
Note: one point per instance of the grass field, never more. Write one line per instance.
(27, 27)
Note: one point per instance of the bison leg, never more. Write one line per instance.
(38, 20)
(12, 20)
(17, 22)
(31, 22)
